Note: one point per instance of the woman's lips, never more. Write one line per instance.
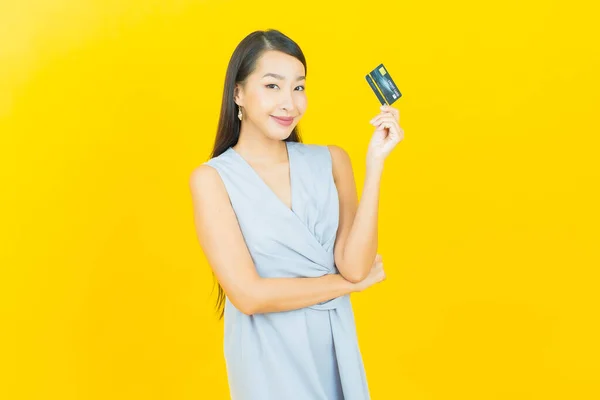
(285, 121)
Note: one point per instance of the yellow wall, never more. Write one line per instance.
(489, 207)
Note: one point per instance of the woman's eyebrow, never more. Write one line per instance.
(281, 77)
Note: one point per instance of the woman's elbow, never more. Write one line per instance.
(245, 306)
(351, 271)
(246, 301)
(256, 303)
(354, 275)
(354, 278)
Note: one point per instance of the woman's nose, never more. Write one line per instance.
(287, 102)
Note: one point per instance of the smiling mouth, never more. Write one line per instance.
(284, 119)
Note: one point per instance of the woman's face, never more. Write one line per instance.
(274, 89)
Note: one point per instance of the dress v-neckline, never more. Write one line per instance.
(267, 187)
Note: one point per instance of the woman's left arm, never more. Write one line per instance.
(356, 243)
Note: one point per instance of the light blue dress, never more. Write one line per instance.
(306, 354)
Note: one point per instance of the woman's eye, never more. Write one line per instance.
(270, 86)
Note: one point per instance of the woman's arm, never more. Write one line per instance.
(356, 242)
(284, 294)
(223, 244)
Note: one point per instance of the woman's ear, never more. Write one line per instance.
(238, 95)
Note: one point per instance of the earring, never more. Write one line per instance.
(240, 113)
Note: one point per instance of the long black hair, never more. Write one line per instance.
(242, 63)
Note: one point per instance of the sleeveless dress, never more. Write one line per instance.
(305, 354)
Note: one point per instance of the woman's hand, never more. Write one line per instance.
(376, 275)
(386, 136)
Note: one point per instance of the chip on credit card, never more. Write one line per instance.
(383, 85)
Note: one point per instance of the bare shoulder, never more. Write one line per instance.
(209, 194)
(340, 159)
(337, 151)
(204, 176)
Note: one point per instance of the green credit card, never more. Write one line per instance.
(383, 85)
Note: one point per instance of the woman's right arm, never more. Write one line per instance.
(223, 244)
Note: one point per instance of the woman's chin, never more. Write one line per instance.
(281, 134)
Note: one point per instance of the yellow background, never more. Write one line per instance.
(489, 207)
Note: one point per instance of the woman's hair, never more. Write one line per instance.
(242, 63)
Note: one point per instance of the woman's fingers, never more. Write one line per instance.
(385, 116)
(381, 114)
(379, 119)
(394, 111)
(388, 110)
(387, 122)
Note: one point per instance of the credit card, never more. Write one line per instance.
(375, 90)
(383, 85)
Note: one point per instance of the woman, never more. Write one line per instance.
(280, 227)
